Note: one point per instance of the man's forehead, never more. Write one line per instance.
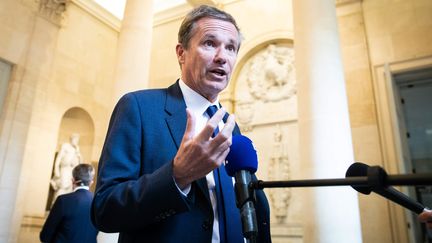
(211, 28)
(212, 23)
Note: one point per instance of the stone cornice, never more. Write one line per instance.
(99, 12)
(343, 2)
(159, 18)
(166, 16)
(201, 2)
(171, 14)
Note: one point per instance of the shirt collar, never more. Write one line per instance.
(81, 187)
(194, 101)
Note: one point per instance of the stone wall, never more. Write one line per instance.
(63, 58)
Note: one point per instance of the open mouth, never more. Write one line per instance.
(218, 72)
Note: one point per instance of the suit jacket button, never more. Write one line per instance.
(206, 225)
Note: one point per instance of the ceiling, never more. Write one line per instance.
(116, 7)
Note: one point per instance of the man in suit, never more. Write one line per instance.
(162, 165)
(69, 219)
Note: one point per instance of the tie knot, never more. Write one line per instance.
(211, 110)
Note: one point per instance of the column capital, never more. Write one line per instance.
(53, 10)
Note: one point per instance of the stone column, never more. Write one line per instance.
(134, 48)
(331, 213)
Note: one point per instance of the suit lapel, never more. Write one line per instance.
(176, 110)
(176, 121)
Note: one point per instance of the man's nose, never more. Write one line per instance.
(220, 56)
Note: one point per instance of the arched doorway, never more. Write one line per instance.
(74, 121)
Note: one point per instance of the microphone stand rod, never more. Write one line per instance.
(355, 180)
(421, 179)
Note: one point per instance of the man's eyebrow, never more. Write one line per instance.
(209, 36)
(231, 41)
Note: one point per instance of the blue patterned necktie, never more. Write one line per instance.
(229, 231)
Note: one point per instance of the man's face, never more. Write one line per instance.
(208, 62)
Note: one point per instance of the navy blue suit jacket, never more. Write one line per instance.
(69, 219)
(135, 193)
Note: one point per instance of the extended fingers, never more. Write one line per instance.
(229, 126)
(190, 125)
(223, 138)
(222, 142)
(211, 125)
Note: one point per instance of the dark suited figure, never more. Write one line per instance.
(69, 218)
(160, 162)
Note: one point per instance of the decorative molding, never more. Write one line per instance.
(53, 10)
(171, 14)
(29, 221)
(279, 170)
(343, 2)
(179, 11)
(290, 232)
(244, 114)
(389, 129)
(204, 2)
(100, 13)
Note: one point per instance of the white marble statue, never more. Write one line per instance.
(67, 158)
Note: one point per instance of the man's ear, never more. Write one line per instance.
(180, 51)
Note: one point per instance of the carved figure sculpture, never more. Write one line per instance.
(68, 157)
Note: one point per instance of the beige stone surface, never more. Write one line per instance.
(69, 64)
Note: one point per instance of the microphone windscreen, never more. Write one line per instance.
(359, 169)
(242, 156)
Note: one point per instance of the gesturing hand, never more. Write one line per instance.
(426, 217)
(200, 154)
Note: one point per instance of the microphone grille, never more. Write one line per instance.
(242, 156)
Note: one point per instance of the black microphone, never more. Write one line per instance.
(377, 182)
(242, 161)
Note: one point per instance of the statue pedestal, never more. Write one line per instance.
(287, 233)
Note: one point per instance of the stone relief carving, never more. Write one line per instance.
(271, 74)
(279, 170)
(245, 114)
(53, 10)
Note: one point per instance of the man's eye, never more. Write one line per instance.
(208, 43)
(231, 48)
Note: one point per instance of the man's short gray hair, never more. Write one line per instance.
(187, 27)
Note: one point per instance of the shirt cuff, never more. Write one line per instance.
(185, 191)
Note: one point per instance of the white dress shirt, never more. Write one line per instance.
(198, 106)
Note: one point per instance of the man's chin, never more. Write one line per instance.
(219, 86)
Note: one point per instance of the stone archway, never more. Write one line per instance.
(78, 120)
(75, 120)
(264, 99)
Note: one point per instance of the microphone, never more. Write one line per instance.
(242, 161)
(377, 182)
